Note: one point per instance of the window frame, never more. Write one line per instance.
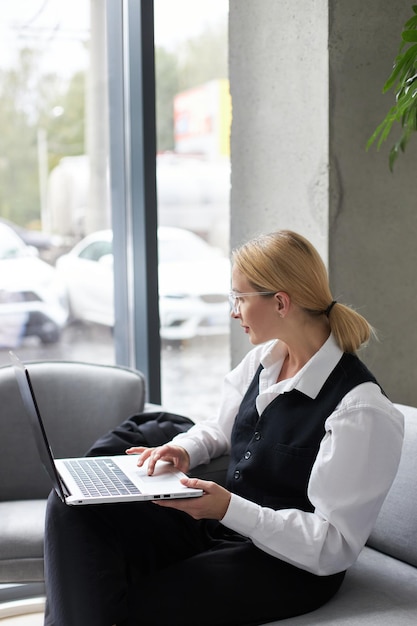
(132, 165)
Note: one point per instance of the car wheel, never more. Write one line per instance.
(50, 333)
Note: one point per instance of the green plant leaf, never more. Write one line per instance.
(402, 62)
(403, 79)
(412, 23)
(409, 35)
(393, 157)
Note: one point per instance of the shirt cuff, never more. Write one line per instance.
(241, 516)
(195, 452)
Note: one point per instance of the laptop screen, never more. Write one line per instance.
(32, 411)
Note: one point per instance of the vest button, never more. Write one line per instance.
(248, 455)
(236, 474)
(257, 436)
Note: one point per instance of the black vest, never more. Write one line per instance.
(272, 455)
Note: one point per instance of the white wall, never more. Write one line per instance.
(278, 68)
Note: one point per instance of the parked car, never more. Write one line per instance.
(194, 281)
(32, 237)
(32, 298)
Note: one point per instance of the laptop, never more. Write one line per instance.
(98, 480)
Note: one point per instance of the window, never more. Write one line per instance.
(55, 192)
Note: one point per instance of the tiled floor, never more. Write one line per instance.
(31, 619)
(22, 613)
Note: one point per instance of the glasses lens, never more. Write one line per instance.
(234, 303)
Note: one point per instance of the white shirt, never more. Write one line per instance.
(353, 471)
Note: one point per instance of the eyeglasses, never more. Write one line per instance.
(234, 298)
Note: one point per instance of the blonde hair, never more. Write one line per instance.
(287, 261)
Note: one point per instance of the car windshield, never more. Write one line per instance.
(95, 250)
(10, 244)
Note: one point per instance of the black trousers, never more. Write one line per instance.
(137, 563)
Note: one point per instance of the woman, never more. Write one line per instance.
(314, 446)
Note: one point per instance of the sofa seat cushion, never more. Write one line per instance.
(395, 530)
(21, 540)
(377, 591)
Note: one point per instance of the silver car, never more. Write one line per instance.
(194, 282)
(32, 297)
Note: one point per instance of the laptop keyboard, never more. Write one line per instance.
(100, 477)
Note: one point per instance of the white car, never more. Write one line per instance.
(194, 282)
(32, 298)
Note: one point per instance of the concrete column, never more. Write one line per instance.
(306, 84)
(278, 70)
(97, 131)
(372, 212)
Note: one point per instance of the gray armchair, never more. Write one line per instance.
(79, 402)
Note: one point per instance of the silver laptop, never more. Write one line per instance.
(97, 480)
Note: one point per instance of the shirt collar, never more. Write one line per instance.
(311, 378)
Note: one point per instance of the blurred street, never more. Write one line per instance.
(192, 371)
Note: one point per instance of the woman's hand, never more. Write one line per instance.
(173, 454)
(212, 505)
